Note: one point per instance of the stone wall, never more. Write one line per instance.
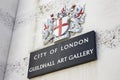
(101, 16)
(7, 19)
(22, 40)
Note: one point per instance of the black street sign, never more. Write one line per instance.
(75, 51)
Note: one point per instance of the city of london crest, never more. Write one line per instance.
(62, 25)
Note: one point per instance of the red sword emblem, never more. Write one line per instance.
(80, 13)
(45, 27)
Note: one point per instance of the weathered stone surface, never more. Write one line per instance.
(102, 16)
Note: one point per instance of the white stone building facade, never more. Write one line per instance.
(101, 16)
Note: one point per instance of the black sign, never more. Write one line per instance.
(75, 51)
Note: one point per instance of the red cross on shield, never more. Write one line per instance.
(62, 26)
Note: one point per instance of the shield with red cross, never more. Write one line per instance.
(62, 26)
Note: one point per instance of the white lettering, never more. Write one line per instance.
(37, 56)
(52, 51)
(81, 54)
(74, 44)
(41, 66)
